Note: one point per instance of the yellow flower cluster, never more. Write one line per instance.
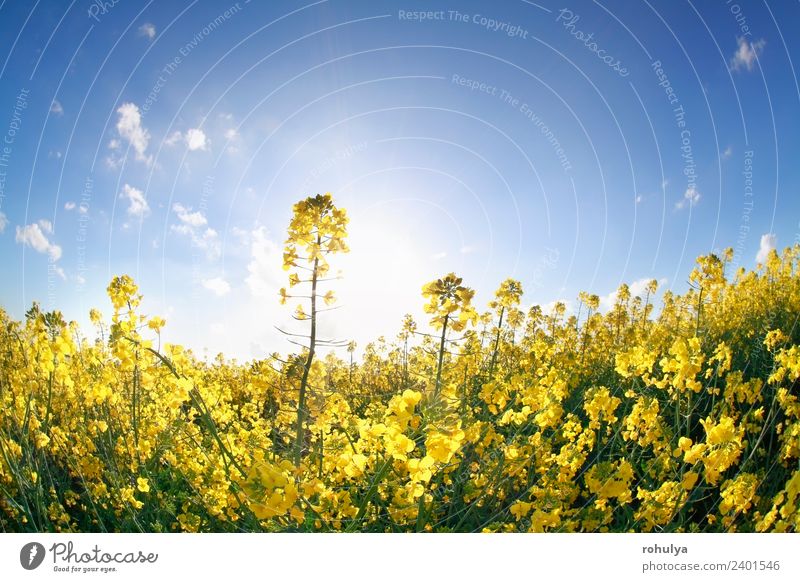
(682, 366)
(610, 480)
(682, 419)
(659, 507)
(600, 406)
(271, 490)
(738, 496)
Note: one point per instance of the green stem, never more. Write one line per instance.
(301, 400)
(496, 343)
(373, 487)
(438, 386)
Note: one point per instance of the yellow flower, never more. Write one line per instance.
(637, 361)
(156, 323)
(127, 496)
(738, 495)
(610, 480)
(397, 444)
(541, 520)
(723, 446)
(600, 406)
(520, 509)
(682, 368)
(42, 440)
(420, 469)
(694, 454)
(355, 465)
(142, 484)
(441, 446)
(643, 424)
(271, 490)
(658, 507)
(689, 480)
(419, 472)
(775, 338)
(95, 316)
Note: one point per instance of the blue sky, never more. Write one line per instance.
(572, 146)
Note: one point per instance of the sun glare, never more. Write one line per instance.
(381, 276)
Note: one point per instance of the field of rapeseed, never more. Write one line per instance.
(680, 415)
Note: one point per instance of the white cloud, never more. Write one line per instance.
(637, 289)
(186, 216)
(196, 140)
(35, 236)
(549, 308)
(137, 206)
(3, 222)
(206, 240)
(129, 127)
(259, 302)
(727, 153)
(467, 249)
(241, 235)
(438, 256)
(218, 286)
(147, 30)
(266, 275)
(69, 206)
(233, 138)
(768, 243)
(56, 108)
(638, 199)
(747, 54)
(174, 138)
(192, 226)
(690, 198)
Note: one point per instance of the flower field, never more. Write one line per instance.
(673, 415)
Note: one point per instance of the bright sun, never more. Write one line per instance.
(382, 277)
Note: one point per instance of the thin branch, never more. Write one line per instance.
(290, 334)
